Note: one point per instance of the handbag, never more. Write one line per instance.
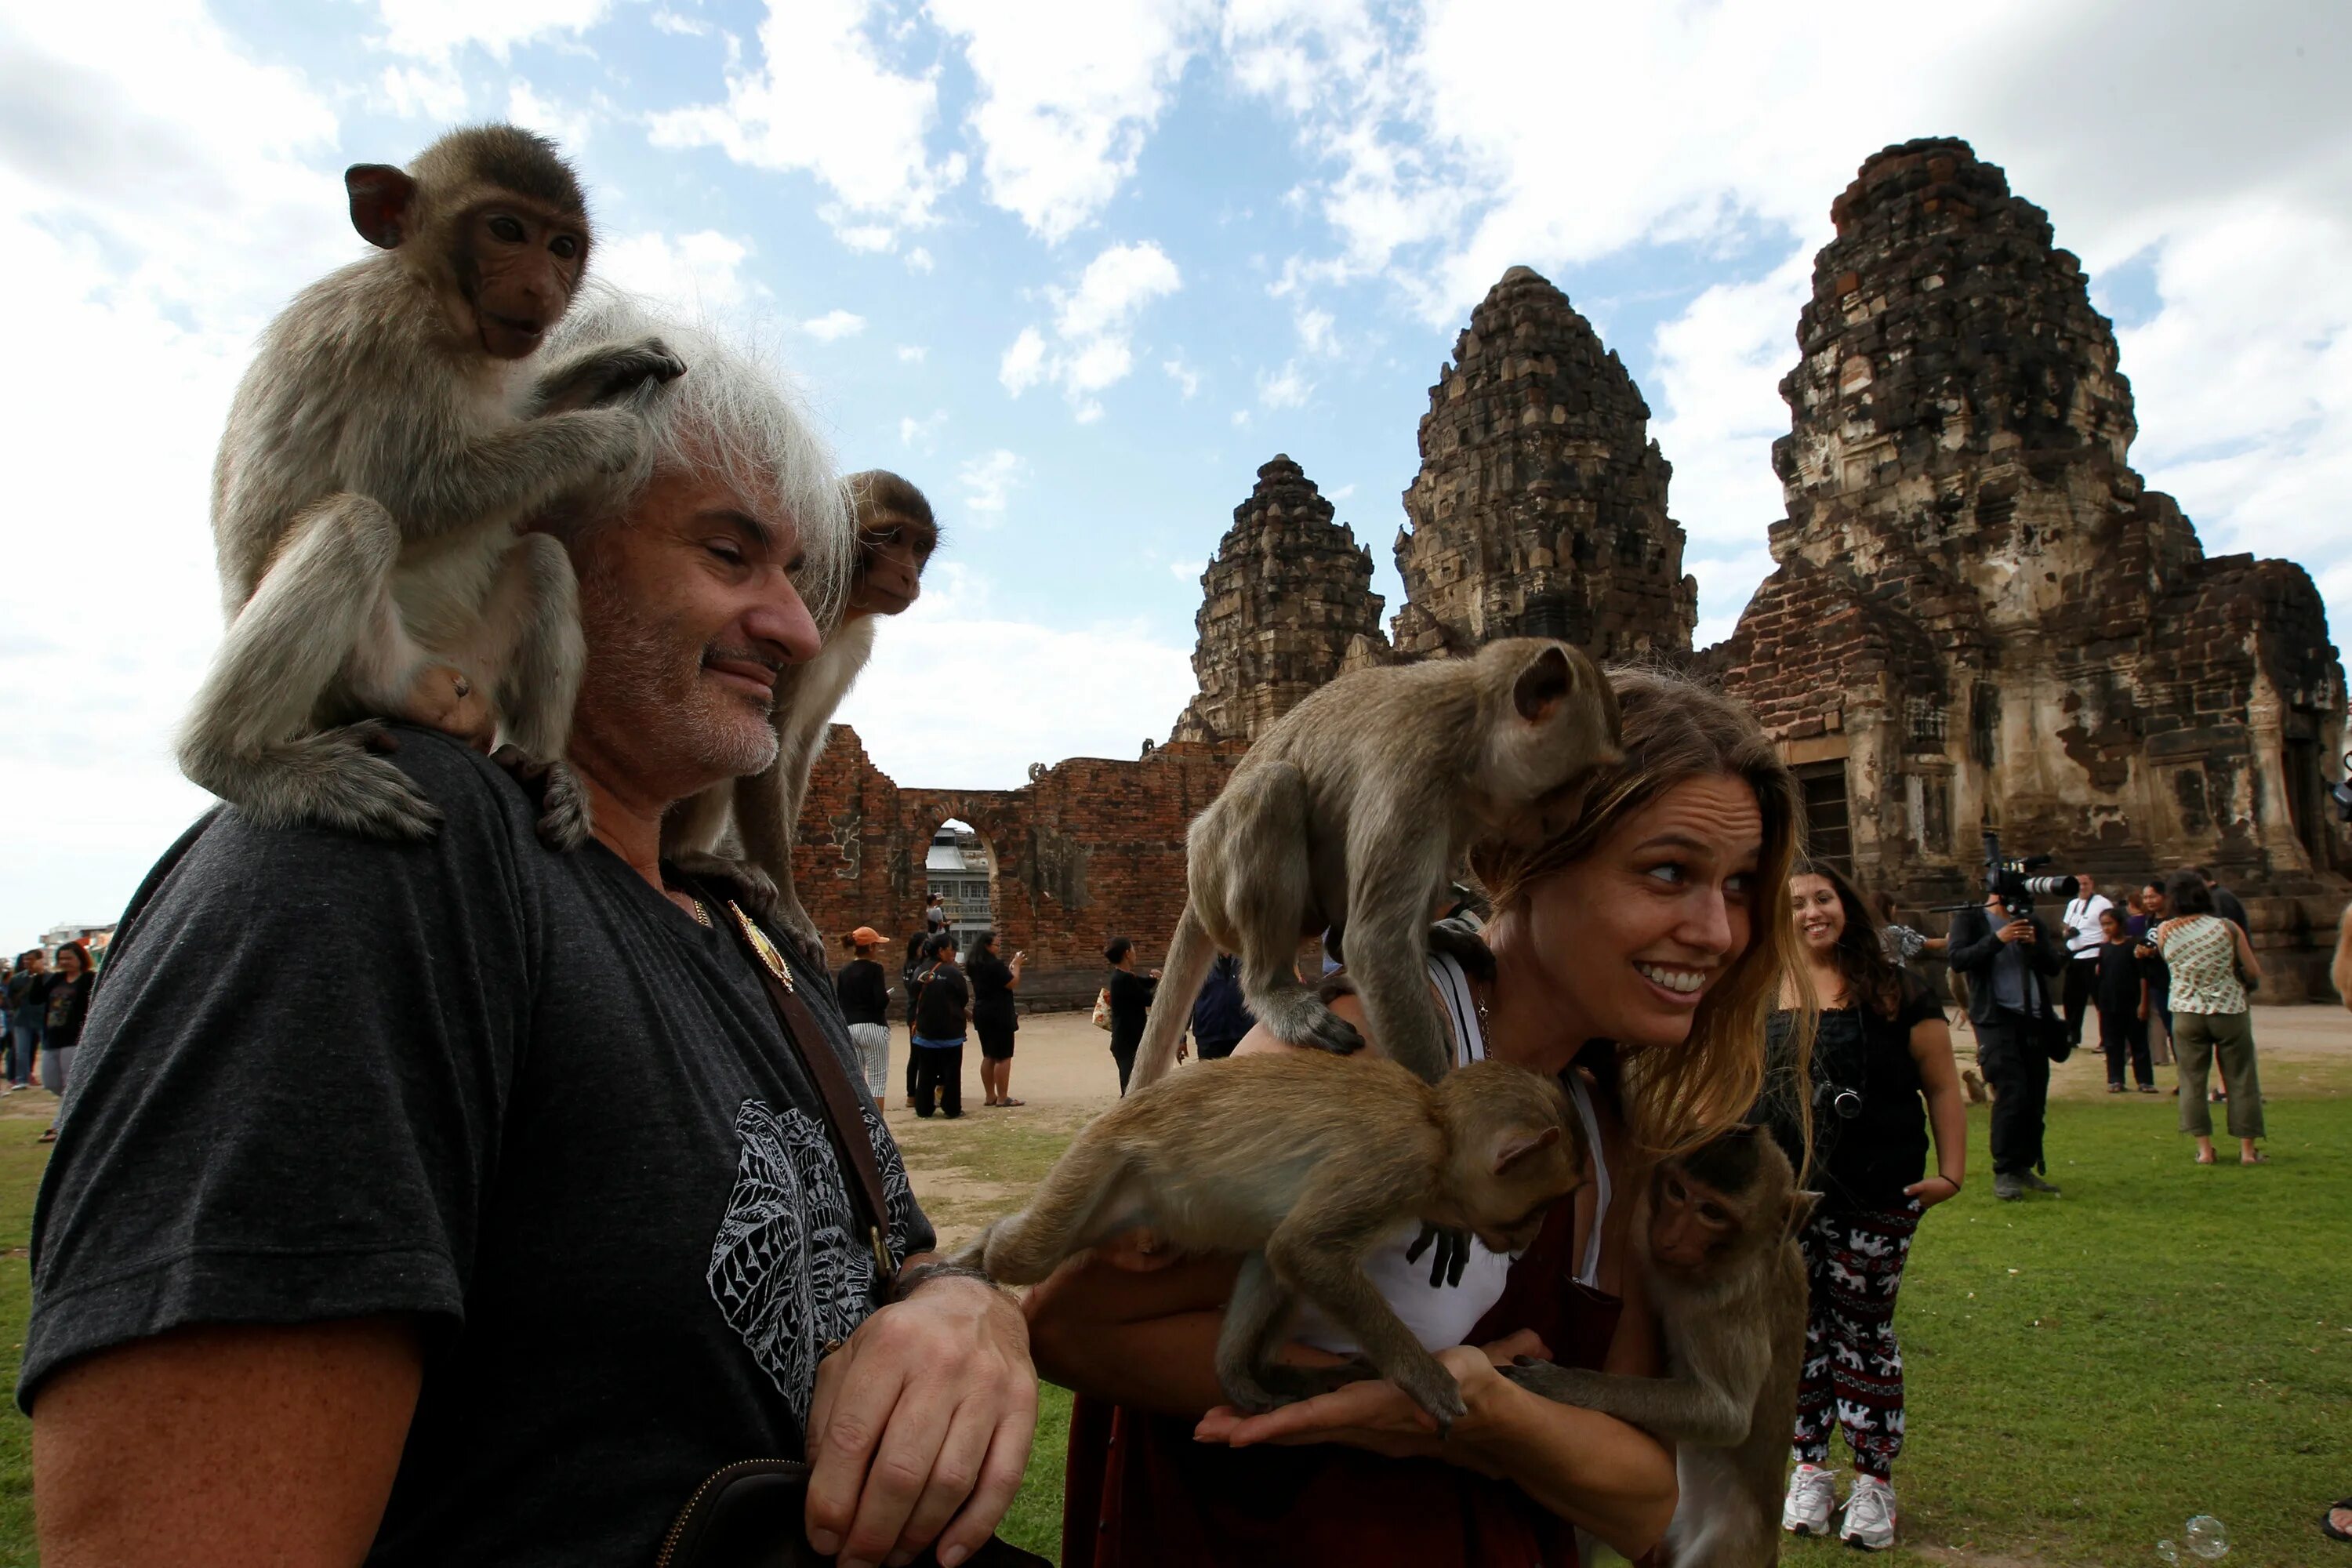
(753, 1513)
(1102, 1009)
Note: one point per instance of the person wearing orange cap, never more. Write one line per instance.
(865, 993)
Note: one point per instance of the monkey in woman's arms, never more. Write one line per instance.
(1716, 1232)
(1304, 1163)
(394, 432)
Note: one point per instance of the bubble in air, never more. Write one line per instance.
(2167, 1551)
(2207, 1538)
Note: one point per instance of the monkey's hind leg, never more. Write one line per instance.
(1256, 1316)
(1266, 886)
(251, 737)
(538, 595)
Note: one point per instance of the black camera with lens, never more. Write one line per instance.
(2340, 791)
(2013, 879)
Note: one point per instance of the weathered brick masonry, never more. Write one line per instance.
(1979, 613)
(1092, 849)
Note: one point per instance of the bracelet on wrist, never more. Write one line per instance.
(910, 1281)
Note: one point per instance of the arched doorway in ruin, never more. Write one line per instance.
(960, 867)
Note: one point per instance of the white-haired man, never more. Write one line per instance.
(463, 1202)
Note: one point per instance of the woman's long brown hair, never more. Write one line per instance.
(1872, 980)
(1674, 729)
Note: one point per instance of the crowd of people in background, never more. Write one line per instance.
(43, 1001)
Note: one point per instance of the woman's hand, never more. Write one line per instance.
(1378, 1416)
(1933, 1191)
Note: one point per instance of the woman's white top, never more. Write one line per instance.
(1442, 1316)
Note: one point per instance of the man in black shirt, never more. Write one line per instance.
(2008, 960)
(463, 1203)
(1220, 1017)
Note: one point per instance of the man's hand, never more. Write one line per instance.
(920, 1425)
(2017, 930)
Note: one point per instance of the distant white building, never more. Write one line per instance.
(957, 868)
(96, 935)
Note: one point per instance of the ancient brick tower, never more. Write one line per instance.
(1288, 596)
(1981, 615)
(1540, 508)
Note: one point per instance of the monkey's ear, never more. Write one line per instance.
(1543, 684)
(381, 196)
(1518, 1146)
(1800, 1210)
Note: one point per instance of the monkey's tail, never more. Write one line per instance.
(1190, 954)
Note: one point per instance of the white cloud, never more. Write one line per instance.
(669, 21)
(834, 326)
(162, 193)
(526, 108)
(1186, 571)
(1286, 389)
(695, 273)
(922, 435)
(1241, 418)
(913, 354)
(1068, 96)
(988, 482)
(823, 101)
(421, 92)
(1716, 380)
(918, 259)
(1023, 364)
(434, 29)
(1187, 379)
(1093, 324)
(1315, 332)
(866, 237)
(1086, 690)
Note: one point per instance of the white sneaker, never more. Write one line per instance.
(1869, 1515)
(1812, 1497)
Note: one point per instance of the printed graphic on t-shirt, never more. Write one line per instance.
(787, 1269)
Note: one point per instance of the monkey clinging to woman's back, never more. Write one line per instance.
(392, 436)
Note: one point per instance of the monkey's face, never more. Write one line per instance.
(1691, 1223)
(891, 554)
(518, 264)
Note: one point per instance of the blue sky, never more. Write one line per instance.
(1078, 269)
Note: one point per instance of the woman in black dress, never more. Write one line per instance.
(1130, 1000)
(994, 1018)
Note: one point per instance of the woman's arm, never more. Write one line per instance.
(1141, 1338)
(2245, 951)
(1948, 1110)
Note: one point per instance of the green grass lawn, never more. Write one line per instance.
(2085, 1372)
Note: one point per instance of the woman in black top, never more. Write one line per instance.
(940, 1011)
(994, 1018)
(865, 994)
(1130, 1000)
(1880, 1046)
(68, 1005)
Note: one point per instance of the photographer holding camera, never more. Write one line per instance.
(2009, 958)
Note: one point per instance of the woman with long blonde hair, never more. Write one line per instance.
(1635, 956)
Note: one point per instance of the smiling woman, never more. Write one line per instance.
(1635, 956)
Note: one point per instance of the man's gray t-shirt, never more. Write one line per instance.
(519, 1095)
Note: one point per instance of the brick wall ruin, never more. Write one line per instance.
(1540, 508)
(1089, 849)
(1980, 614)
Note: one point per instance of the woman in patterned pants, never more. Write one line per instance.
(1882, 1071)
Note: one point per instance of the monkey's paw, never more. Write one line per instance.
(1435, 1392)
(1549, 1380)
(744, 882)
(565, 822)
(358, 791)
(1287, 1384)
(1302, 1019)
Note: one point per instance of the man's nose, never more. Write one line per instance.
(780, 618)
